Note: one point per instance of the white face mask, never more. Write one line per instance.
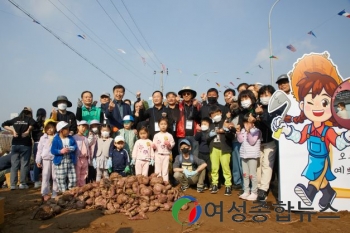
(217, 118)
(105, 134)
(204, 127)
(94, 130)
(62, 106)
(265, 100)
(246, 103)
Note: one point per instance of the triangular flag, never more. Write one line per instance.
(311, 33)
(273, 57)
(343, 13)
(260, 67)
(291, 48)
(195, 74)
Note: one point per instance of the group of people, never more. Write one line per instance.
(184, 140)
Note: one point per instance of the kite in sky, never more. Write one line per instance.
(238, 78)
(273, 57)
(82, 36)
(343, 13)
(218, 84)
(247, 72)
(143, 60)
(122, 51)
(311, 33)
(260, 67)
(232, 84)
(291, 48)
(36, 21)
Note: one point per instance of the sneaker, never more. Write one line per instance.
(214, 189)
(210, 187)
(252, 197)
(228, 191)
(200, 190)
(262, 195)
(244, 196)
(13, 187)
(237, 187)
(240, 192)
(184, 188)
(37, 184)
(205, 187)
(23, 186)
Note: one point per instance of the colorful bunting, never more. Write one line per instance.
(232, 84)
(273, 57)
(311, 33)
(82, 36)
(218, 84)
(143, 60)
(343, 13)
(260, 67)
(291, 48)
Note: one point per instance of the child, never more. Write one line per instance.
(220, 145)
(82, 153)
(128, 134)
(94, 134)
(120, 157)
(63, 148)
(163, 142)
(44, 160)
(102, 162)
(143, 154)
(250, 138)
(201, 137)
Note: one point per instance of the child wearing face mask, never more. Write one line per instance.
(250, 138)
(220, 145)
(247, 103)
(204, 152)
(163, 142)
(143, 153)
(94, 134)
(128, 134)
(102, 162)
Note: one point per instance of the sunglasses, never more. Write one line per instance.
(186, 93)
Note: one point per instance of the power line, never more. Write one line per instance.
(66, 44)
(122, 32)
(140, 32)
(98, 43)
(133, 32)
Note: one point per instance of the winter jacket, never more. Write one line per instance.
(143, 150)
(120, 159)
(69, 117)
(250, 147)
(193, 115)
(202, 139)
(159, 140)
(57, 145)
(89, 114)
(44, 149)
(80, 140)
(114, 117)
(225, 144)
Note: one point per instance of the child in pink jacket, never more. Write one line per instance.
(163, 142)
(44, 160)
(82, 152)
(142, 154)
(250, 137)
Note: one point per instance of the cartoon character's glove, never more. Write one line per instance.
(277, 124)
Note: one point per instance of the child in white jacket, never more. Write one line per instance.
(250, 137)
(44, 160)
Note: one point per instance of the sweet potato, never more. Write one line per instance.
(162, 198)
(158, 188)
(152, 208)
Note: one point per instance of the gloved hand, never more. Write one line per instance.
(79, 103)
(109, 162)
(192, 173)
(94, 103)
(152, 162)
(127, 169)
(212, 133)
(94, 163)
(71, 148)
(132, 162)
(186, 172)
(226, 129)
(277, 124)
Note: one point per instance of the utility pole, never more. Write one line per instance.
(161, 81)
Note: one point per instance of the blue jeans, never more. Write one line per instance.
(237, 172)
(20, 157)
(36, 170)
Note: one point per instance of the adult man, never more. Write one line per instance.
(104, 99)
(189, 119)
(189, 169)
(212, 98)
(342, 111)
(62, 103)
(117, 109)
(283, 83)
(173, 106)
(152, 115)
(87, 110)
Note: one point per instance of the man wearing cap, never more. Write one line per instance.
(87, 110)
(188, 120)
(104, 99)
(283, 83)
(117, 109)
(189, 169)
(61, 114)
(21, 146)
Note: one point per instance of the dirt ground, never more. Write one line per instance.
(19, 206)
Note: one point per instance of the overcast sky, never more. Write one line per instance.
(229, 37)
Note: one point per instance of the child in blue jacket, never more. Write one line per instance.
(120, 157)
(63, 148)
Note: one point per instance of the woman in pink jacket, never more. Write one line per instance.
(44, 159)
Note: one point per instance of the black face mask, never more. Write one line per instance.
(212, 100)
(185, 150)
